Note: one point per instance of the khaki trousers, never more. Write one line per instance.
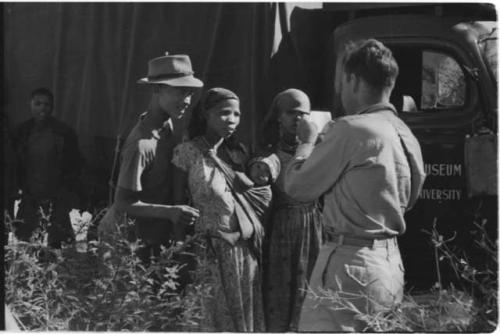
(369, 279)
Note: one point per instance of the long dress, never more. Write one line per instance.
(293, 242)
(230, 275)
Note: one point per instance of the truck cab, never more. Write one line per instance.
(446, 92)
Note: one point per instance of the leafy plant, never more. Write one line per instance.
(105, 289)
(481, 284)
(470, 307)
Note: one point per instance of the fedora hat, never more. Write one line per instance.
(172, 70)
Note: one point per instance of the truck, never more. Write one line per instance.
(446, 92)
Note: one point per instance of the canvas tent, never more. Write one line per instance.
(92, 54)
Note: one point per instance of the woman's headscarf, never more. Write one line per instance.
(209, 99)
(197, 126)
(214, 96)
(288, 99)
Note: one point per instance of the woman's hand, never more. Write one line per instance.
(230, 237)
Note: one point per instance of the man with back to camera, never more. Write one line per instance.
(145, 180)
(369, 167)
(49, 165)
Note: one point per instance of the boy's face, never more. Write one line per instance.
(41, 107)
(260, 173)
(174, 100)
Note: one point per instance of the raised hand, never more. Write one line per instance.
(307, 132)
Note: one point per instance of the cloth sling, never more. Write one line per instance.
(247, 204)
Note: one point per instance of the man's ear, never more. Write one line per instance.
(352, 80)
(356, 82)
(205, 113)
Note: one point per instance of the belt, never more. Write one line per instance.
(342, 239)
(285, 205)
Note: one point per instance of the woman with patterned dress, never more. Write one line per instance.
(228, 267)
(294, 234)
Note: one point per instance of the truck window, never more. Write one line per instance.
(428, 81)
(443, 82)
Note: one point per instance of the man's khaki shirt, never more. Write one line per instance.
(361, 167)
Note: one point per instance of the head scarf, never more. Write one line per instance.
(214, 96)
(210, 99)
(288, 99)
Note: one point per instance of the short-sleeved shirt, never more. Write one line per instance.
(146, 168)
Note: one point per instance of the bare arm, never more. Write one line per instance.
(179, 196)
(135, 159)
(128, 201)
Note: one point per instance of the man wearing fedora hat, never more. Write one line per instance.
(145, 180)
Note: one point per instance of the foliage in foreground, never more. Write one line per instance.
(108, 289)
(471, 308)
(105, 289)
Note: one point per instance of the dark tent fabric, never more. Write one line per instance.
(92, 54)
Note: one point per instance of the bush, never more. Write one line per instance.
(471, 307)
(479, 283)
(105, 289)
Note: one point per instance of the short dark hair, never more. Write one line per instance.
(44, 92)
(372, 61)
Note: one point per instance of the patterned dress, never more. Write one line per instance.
(231, 274)
(293, 242)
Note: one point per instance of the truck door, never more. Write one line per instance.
(439, 100)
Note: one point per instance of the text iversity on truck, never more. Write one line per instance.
(447, 93)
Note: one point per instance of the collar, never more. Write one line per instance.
(154, 128)
(383, 106)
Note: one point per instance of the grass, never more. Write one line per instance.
(106, 288)
(470, 307)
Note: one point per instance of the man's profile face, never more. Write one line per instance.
(347, 91)
(174, 100)
(41, 107)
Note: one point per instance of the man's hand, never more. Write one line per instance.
(183, 214)
(307, 132)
